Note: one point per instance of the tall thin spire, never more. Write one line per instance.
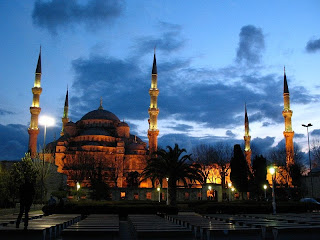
(38, 69)
(287, 114)
(153, 110)
(66, 101)
(285, 83)
(247, 137)
(100, 107)
(65, 118)
(154, 66)
(35, 110)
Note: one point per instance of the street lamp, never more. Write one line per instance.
(233, 189)
(265, 191)
(158, 189)
(209, 187)
(46, 122)
(167, 190)
(272, 171)
(307, 126)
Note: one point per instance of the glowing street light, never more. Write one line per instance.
(78, 186)
(265, 190)
(272, 171)
(46, 122)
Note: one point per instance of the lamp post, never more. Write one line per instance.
(167, 190)
(265, 191)
(274, 208)
(307, 126)
(233, 189)
(209, 187)
(46, 122)
(78, 187)
(158, 189)
(229, 186)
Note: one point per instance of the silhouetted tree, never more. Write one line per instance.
(133, 179)
(239, 170)
(99, 188)
(171, 164)
(259, 171)
(204, 156)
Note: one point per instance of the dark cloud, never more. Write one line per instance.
(182, 127)
(313, 45)
(5, 112)
(116, 81)
(188, 93)
(261, 145)
(299, 135)
(229, 133)
(55, 14)
(251, 45)
(13, 141)
(169, 41)
(315, 132)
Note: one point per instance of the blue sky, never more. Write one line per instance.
(213, 56)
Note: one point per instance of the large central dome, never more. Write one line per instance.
(100, 114)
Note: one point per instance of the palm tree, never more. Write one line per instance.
(171, 164)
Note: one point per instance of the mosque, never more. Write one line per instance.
(99, 138)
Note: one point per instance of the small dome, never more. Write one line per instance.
(123, 124)
(136, 146)
(100, 114)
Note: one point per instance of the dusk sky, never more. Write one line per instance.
(212, 58)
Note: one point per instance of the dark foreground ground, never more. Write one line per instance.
(185, 225)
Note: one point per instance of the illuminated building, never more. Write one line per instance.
(100, 139)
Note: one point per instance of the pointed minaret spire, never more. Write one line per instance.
(35, 110)
(65, 118)
(154, 67)
(247, 138)
(285, 83)
(153, 110)
(100, 107)
(287, 114)
(38, 69)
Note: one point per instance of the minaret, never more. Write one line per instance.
(35, 110)
(65, 118)
(153, 110)
(287, 113)
(247, 138)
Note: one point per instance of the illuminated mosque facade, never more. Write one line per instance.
(100, 136)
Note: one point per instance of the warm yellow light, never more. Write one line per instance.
(209, 188)
(158, 189)
(229, 184)
(232, 189)
(78, 186)
(46, 121)
(272, 170)
(264, 186)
